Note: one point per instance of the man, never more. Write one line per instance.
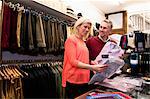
(96, 43)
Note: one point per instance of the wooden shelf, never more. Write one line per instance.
(40, 7)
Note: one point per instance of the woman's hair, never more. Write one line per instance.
(80, 21)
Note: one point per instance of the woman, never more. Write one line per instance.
(76, 68)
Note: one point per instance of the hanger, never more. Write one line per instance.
(16, 70)
(9, 72)
(16, 75)
(131, 34)
(20, 8)
(12, 6)
(2, 74)
(5, 73)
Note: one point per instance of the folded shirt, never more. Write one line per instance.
(114, 64)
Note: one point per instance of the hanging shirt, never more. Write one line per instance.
(131, 40)
(147, 40)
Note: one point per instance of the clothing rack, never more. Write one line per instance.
(5, 62)
(40, 68)
(42, 8)
(20, 59)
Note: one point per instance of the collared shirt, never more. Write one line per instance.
(103, 39)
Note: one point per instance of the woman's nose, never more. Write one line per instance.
(87, 29)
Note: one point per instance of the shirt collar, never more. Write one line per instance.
(102, 39)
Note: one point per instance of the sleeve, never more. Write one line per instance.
(70, 51)
(88, 43)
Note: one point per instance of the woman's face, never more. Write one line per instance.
(84, 29)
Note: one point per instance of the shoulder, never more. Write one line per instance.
(71, 38)
(91, 38)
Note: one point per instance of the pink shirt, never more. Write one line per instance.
(75, 51)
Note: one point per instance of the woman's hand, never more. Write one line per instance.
(99, 68)
(94, 62)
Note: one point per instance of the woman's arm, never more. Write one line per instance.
(97, 68)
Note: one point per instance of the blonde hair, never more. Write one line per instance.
(79, 22)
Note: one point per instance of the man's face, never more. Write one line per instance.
(104, 29)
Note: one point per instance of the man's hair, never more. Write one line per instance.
(109, 22)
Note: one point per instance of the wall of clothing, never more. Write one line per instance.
(26, 30)
(10, 82)
(31, 80)
(136, 41)
(32, 45)
(137, 45)
(43, 80)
